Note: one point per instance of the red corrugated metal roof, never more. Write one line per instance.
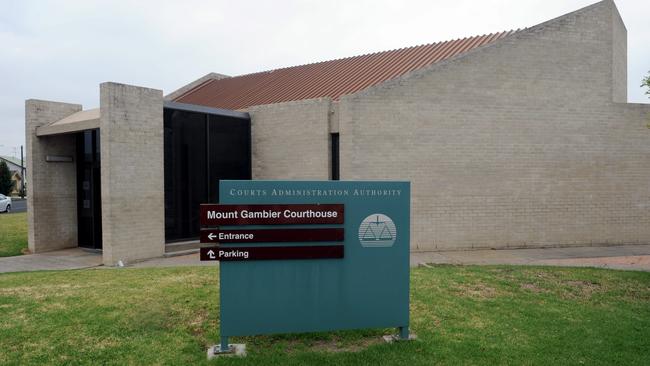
(328, 78)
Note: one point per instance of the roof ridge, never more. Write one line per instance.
(373, 53)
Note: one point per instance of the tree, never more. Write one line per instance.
(6, 184)
(646, 83)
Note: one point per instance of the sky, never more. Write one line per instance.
(62, 50)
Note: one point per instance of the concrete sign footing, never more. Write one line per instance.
(234, 349)
(396, 338)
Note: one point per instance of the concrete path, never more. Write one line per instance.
(73, 258)
(627, 257)
(179, 261)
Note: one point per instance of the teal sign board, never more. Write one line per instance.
(365, 287)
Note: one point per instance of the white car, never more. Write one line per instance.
(5, 203)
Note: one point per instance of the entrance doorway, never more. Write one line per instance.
(89, 202)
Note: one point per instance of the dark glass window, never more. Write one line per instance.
(335, 156)
(89, 208)
(200, 150)
(87, 145)
(185, 172)
(229, 151)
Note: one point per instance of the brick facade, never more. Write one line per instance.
(516, 144)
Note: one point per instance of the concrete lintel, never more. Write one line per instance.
(208, 110)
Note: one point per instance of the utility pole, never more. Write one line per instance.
(22, 173)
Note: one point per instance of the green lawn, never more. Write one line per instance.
(462, 315)
(13, 234)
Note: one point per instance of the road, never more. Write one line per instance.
(18, 206)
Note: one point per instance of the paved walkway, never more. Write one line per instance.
(627, 257)
(180, 261)
(73, 258)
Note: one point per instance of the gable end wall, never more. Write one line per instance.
(517, 144)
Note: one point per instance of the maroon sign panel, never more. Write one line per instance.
(217, 215)
(270, 235)
(265, 253)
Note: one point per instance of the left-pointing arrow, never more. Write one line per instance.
(211, 236)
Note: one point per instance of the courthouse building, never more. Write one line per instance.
(514, 139)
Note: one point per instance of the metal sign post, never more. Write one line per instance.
(309, 256)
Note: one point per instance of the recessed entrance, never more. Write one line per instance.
(89, 207)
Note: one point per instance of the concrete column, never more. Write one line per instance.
(52, 187)
(131, 133)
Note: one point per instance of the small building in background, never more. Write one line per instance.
(17, 173)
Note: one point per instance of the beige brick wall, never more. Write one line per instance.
(291, 140)
(517, 144)
(619, 58)
(52, 187)
(131, 128)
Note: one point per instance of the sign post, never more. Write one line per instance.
(308, 256)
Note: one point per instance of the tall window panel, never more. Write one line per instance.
(334, 154)
(200, 150)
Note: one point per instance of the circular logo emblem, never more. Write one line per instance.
(377, 230)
